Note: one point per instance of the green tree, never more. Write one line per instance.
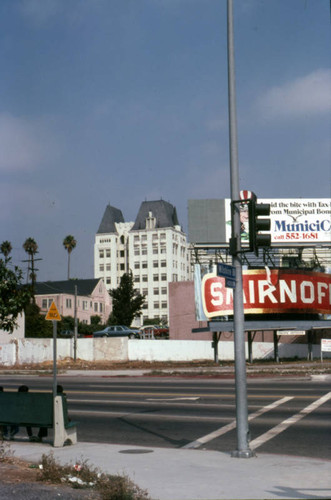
(36, 326)
(127, 302)
(31, 248)
(69, 244)
(5, 249)
(13, 295)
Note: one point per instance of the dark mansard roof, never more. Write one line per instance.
(164, 212)
(109, 218)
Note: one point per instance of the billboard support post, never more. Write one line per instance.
(243, 450)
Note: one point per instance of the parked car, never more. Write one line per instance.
(155, 330)
(69, 334)
(118, 331)
(66, 334)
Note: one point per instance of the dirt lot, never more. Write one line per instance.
(70, 364)
(199, 367)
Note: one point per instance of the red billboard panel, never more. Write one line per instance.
(268, 291)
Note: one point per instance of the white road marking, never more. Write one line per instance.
(289, 421)
(173, 399)
(232, 425)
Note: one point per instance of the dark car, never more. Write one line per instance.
(66, 334)
(69, 334)
(117, 331)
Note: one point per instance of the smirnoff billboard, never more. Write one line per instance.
(268, 291)
(293, 221)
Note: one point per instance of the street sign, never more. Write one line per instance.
(230, 283)
(226, 271)
(53, 314)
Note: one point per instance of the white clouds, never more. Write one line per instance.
(22, 145)
(306, 96)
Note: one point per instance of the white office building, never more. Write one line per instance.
(154, 248)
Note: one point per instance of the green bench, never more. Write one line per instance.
(39, 409)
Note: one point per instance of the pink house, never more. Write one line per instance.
(93, 298)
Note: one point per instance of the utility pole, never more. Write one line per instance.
(243, 450)
(75, 325)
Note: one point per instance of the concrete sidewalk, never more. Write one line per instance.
(178, 474)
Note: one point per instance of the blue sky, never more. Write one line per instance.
(122, 101)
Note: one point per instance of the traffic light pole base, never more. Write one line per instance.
(243, 454)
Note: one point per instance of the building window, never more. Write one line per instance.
(155, 263)
(108, 281)
(164, 305)
(163, 277)
(145, 306)
(163, 250)
(108, 267)
(156, 305)
(122, 267)
(155, 277)
(163, 263)
(101, 254)
(144, 277)
(85, 305)
(122, 253)
(68, 304)
(137, 278)
(163, 290)
(145, 291)
(155, 249)
(144, 264)
(44, 304)
(136, 251)
(95, 307)
(101, 267)
(101, 307)
(144, 251)
(137, 265)
(156, 291)
(108, 253)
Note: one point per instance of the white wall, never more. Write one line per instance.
(18, 332)
(28, 351)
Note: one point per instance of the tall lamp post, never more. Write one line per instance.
(243, 450)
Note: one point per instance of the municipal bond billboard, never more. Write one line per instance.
(294, 221)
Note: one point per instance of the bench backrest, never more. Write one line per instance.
(26, 408)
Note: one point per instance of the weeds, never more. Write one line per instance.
(5, 452)
(81, 475)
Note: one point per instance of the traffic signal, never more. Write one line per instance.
(257, 224)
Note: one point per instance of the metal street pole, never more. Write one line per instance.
(54, 357)
(243, 450)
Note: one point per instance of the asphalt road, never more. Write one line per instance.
(289, 416)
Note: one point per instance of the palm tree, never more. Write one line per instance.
(69, 244)
(31, 248)
(5, 249)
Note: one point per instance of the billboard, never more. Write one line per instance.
(269, 291)
(294, 221)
